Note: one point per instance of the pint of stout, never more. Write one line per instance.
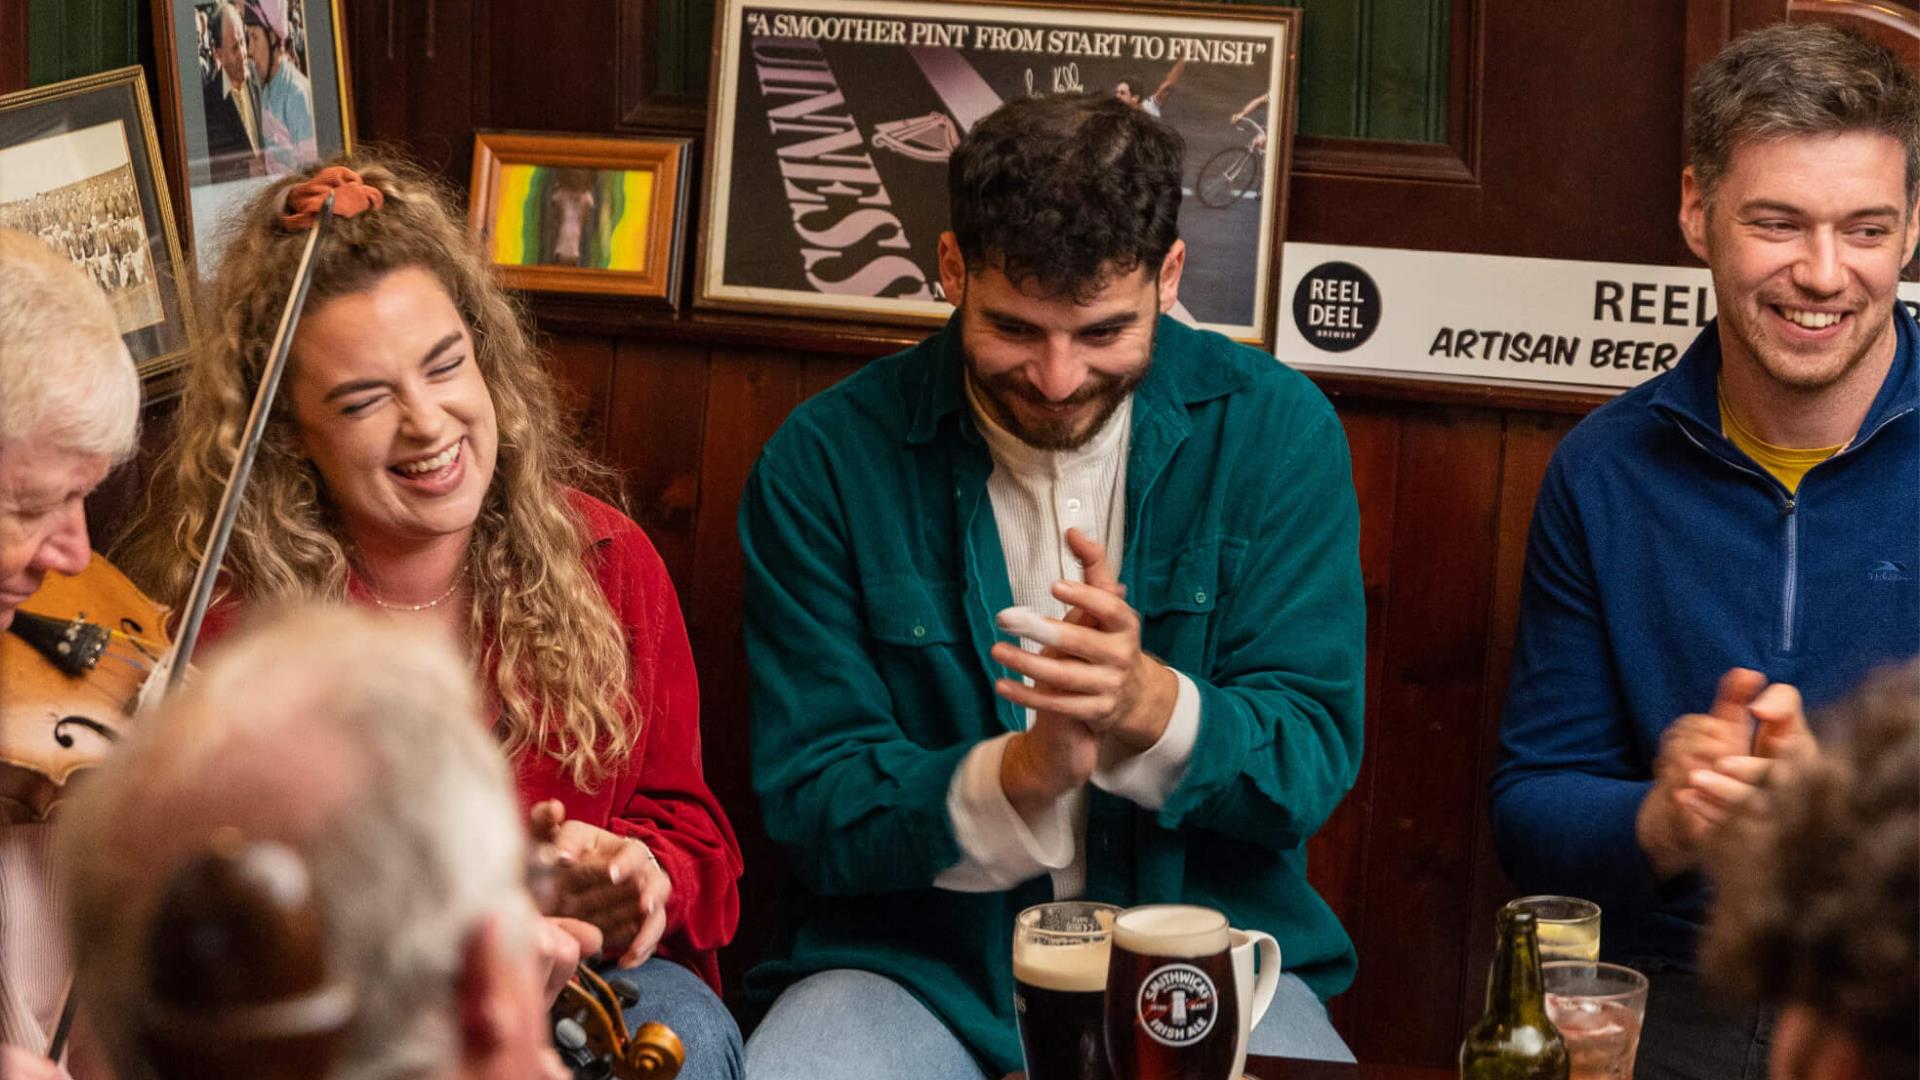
(1060, 982)
(1172, 1011)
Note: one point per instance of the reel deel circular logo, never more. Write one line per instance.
(1336, 307)
(1178, 1005)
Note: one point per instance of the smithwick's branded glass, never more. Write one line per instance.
(1059, 986)
(1256, 990)
(1172, 1009)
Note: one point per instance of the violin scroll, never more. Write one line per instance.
(590, 1032)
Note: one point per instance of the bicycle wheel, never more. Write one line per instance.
(1225, 176)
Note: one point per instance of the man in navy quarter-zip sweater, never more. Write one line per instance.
(1731, 537)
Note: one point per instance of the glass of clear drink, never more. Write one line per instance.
(1598, 1009)
(1569, 926)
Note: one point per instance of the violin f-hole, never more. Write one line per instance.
(62, 736)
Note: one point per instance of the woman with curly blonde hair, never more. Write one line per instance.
(416, 463)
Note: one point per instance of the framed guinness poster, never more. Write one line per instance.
(833, 121)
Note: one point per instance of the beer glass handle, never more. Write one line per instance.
(1267, 979)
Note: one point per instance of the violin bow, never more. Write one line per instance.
(172, 667)
(167, 673)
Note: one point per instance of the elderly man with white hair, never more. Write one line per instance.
(355, 743)
(69, 412)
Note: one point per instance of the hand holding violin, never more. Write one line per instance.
(561, 944)
(611, 881)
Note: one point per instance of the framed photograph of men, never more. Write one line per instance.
(833, 120)
(79, 168)
(251, 90)
(582, 214)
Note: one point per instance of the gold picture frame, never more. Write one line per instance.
(80, 167)
(580, 213)
(224, 143)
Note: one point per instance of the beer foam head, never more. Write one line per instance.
(1076, 968)
(1178, 930)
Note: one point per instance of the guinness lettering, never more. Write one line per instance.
(834, 194)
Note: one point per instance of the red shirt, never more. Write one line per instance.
(660, 795)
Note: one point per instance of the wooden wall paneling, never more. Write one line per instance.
(1407, 67)
(1530, 440)
(419, 81)
(15, 59)
(451, 54)
(1331, 69)
(554, 73)
(72, 38)
(583, 368)
(1563, 166)
(748, 395)
(1337, 854)
(664, 48)
(382, 87)
(1424, 739)
(656, 427)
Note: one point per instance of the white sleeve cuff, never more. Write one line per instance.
(998, 848)
(1147, 778)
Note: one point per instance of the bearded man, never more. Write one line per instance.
(1173, 512)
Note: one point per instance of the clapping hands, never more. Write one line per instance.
(1714, 762)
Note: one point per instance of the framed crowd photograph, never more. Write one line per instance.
(582, 214)
(833, 120)
(80, 168)
(250, 90)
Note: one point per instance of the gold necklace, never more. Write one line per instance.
(428, 606)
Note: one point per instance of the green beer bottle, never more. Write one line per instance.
(1514, 1040)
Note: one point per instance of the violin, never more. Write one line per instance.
(590, 1033)
(96, 654)
(72, 664)
(72, 684)
(87, 654)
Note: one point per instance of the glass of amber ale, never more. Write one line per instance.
(1172, 1010)
(1059, 983)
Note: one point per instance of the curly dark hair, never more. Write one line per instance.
(1819, 898)
(1065, 191)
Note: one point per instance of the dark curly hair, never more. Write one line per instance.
(1063, 192)
(1819, 896)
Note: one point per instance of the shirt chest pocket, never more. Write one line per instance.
(921, 648)
(1180, 599)
(912, 613)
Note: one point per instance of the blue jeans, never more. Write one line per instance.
(679, 999)
(855, 1025)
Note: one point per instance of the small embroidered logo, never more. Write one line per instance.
(1888, 570)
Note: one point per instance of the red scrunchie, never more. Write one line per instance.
(351, 196)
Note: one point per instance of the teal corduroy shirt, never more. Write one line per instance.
(873, 569)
